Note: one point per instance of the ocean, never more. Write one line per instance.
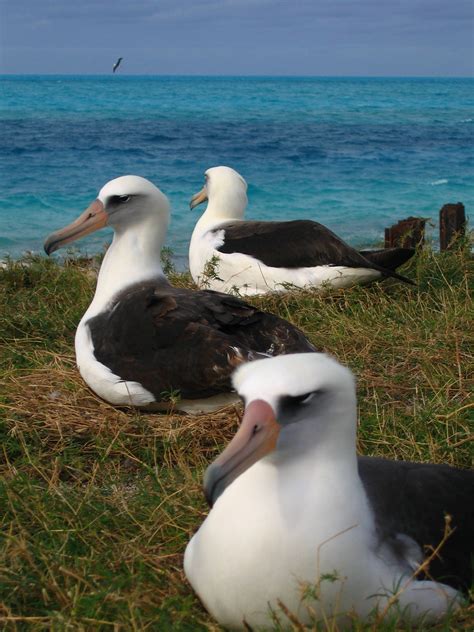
(356, 154)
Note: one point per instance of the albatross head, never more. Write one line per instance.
(226, 191)
(128, 201)
(293, 403)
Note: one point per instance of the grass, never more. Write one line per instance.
(97, 504)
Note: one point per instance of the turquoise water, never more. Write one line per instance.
(356, 154)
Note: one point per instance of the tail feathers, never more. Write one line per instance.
(388, 260)
(394, 275)
(400, 277)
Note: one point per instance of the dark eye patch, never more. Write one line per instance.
(116, 200)
(290, 404)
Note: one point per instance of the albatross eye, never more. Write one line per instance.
(305, 399)
(301, 399)
(119, 199)
(289, 404)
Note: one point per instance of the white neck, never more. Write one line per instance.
(319, 459)
(133, 256)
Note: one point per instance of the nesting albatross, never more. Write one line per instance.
(293, 506)
(227, 253)
(142, 340)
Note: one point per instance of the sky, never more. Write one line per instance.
(239, 37)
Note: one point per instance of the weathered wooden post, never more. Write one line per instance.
(452, 225)
(407, 233)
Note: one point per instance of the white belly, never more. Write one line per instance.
(255, 549)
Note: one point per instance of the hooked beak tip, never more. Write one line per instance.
(49, 247)
(213, 484)
(198, 198)
(93, 218)
(256, 437)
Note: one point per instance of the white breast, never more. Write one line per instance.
(263, 538)
(272, 533)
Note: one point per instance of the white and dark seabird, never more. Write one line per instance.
(117, 64)
(255, 257)
(293, 506)
(141, 339)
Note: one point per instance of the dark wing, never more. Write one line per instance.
(295, 244)
(412, 499)
(391, 258)
(117, 64)
(169, 339)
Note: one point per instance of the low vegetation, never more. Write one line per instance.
(97, 504)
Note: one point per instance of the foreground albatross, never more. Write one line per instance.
(227, 252)
(142, 341)
(292, 505)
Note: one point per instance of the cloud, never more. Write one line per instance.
(142, 10)
(355, 36)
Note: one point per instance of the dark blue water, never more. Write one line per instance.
(355, 154)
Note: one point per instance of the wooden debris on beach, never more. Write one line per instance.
(407, 233)
(452, 224)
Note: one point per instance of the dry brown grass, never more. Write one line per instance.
(99, 502)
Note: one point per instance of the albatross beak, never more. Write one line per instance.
(198, 198)
(256, 437)
(92, 219)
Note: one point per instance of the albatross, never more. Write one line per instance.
(293, 507)
(117, 64)
(143, 342)
(228, 253)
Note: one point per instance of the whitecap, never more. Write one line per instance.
(435, 183)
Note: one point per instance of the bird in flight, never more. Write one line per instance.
(117, 64)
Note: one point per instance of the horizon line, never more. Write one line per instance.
(218, 75)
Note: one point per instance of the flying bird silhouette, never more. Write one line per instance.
(117, 64)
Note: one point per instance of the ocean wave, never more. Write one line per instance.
(307, 148)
